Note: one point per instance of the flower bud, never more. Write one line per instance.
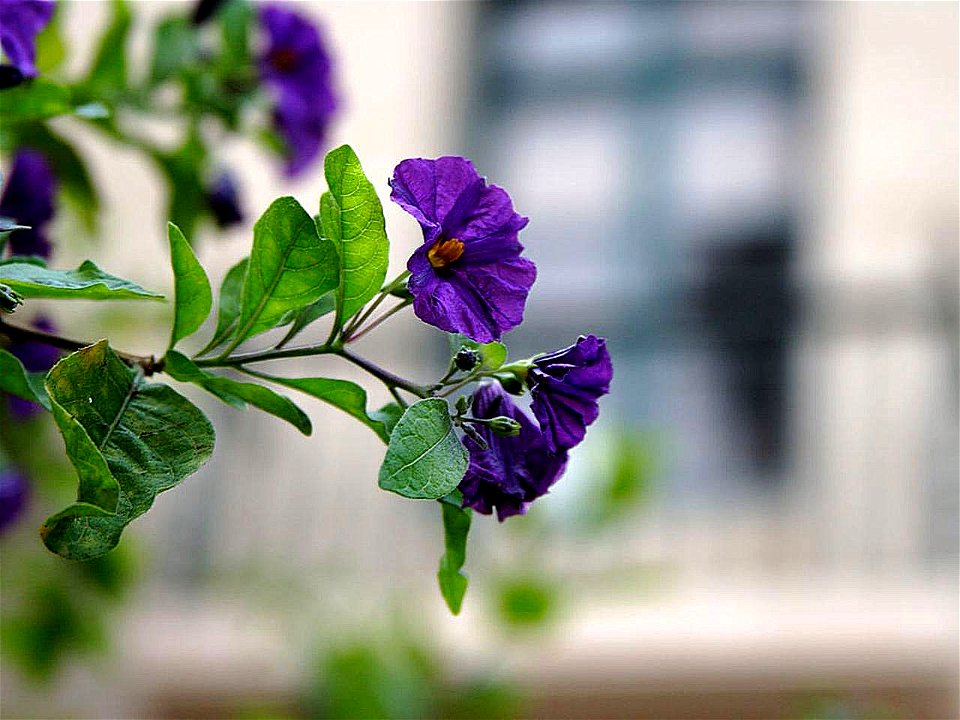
(466, 359)
(504, 426)
(463, 403)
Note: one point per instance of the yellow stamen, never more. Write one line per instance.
(445, 252)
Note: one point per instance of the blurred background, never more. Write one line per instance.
(757, 204)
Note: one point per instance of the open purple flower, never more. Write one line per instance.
(468, 276)
(224, 201)
(565, 386)
(35, 357)
(20, 22)
(28, 199)
(296, 65)
(513, 471)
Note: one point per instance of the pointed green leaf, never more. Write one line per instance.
(351, 215)
(425, 459)
(87, 282)
(236, 393)
(191, 287)
(348, 396)
(108, 74)
(228, 306)
(291, 266)
(453, 583)
(145, 436)
(15, 380)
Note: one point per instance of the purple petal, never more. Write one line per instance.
(20, 22)
(438, 193)
(28, 198)
(565, 386)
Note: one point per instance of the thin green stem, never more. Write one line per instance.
(385, 376)
(264, 355)
(384, 293)
(393, 311)
(398, 397)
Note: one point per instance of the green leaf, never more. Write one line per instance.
(492, 354)
(87, 282)
(147, 436)
(192, 288)
(183, 168)
(236, 393)
(291, 266)
(35, 100)
(15, 380)
(348, 396)
(351, 216)
(453, 583)
(425, 459)
(175, 47)
(228, 306)
(234, 19)
(69, 168)
(389, 415)
(108, 74)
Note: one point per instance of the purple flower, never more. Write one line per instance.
(468, 276)
(224, 201)
(513, 471)
(296, 65)
(28, 199)
(20, 22)
(565, 386)
(14, 491)
(36, 357)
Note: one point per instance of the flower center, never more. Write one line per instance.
(283, 59)
(445, 252)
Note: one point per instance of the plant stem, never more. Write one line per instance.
(384, 293)
(148, 363)
(252, 357)
(395, 309)
(385, 376)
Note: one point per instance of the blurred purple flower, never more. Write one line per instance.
(28, 199)
(36, 357)
(20, 22)
(296, 65)
(468, 275)
(565, 386)
(513, 471)
(224, 201)
(14, 492)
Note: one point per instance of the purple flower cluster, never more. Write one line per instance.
(14, 493)
(297, 67)
(223, 199)
(20, 22)
(468, 276)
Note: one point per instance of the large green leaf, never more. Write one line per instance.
(351, 215)
(291, 266)
(87, 282)
(191, 287)
(425, 458)
(228, 306)
(108, 74)
(144, 436)
(236, 393)
(453, 583)
(15, 380)
(348, 396)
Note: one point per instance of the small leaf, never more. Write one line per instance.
(389, 415)
(108, 74)
(87, 282)
(228, 306)
(15, 380)
(236, 393)
(453, 583)
(492, 354)
(175, 47)
(425, 458)
(191, 287)
(352, 217)
(291, 266)
(36, 100)
(348, 396)
(147, 436)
